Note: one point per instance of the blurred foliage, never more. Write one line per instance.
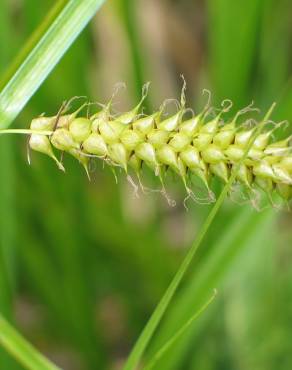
(82, 265)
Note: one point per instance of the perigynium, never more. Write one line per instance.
(203, 145)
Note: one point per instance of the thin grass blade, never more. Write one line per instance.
(245, 233)
(53, 40)
(23, 351)
(179, 333)
(144, 339)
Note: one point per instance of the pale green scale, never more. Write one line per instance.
(277, 148)
(170, 124)
(234, 153)
(167, 156)
(220, 170)
(179, 141)
(158, 138)
(263, 169)
(111, 131)
(262, 141)
(135, 163)
(281, 174)
(242, 138)
(43, 123)
(62, 140)
(80, 129)
(96, 145)
(146, 153)
(41, 143)
(255, 154)
(191, 157)
(96, 123)
(244, 175)
(213, 154)
(102, 116)
(202, 141)
(203, 173)
(49, 123)
(118, 154)
(210, 127)
(145, 124)
(191, 126)
(225, 136)
(131, 138)
(272, 159)
(181, 168)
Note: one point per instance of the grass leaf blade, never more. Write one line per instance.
(180, 332)
(52, 45)
(148, 331)
(14, 343)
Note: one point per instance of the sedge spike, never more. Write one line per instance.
(202, 147)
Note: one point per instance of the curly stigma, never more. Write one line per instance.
(202, 146)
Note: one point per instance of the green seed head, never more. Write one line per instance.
(199, 146)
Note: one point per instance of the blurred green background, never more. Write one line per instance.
(83, 264)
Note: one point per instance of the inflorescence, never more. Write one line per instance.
(201, 146)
